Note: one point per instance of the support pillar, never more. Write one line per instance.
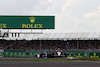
(78, 44)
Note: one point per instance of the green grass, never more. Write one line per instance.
(50, 60)
(44, 60)
(91, 59)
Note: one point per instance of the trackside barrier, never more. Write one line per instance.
(68, 54)
(18, 54)
(77, 54)
(94, 55)
(83, 54)
(1, 54)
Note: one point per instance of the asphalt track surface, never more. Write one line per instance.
(47, 64)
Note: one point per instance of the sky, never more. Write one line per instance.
(70, 15)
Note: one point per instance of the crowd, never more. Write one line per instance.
(49, 44)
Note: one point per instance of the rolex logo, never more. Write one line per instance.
(32, 19)
(78, 54)
(94, 54)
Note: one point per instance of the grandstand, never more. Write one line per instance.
(59, 36)
(52, 41)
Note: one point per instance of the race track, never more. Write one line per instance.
(47, 64)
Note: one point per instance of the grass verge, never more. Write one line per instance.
(43, 60)
(91, 59)
(51, 60)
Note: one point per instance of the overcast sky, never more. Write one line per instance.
(70, 15)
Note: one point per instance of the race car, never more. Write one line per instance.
(59, 53)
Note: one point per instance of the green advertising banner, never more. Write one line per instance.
(18, 54)
(82, 54)
(94, 55)
(77, 54)
(27, 22)
(70, 54)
